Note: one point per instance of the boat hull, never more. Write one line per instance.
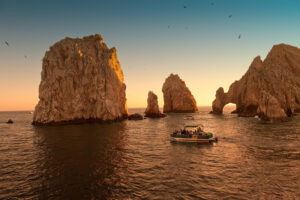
(192, 140)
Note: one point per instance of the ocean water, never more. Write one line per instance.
(136, 160)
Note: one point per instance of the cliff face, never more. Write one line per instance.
(269, 108)
(177, 97)
(81, 81)
(267, 88)
(152, 109)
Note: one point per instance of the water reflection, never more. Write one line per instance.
(79, 161)
(136, 160)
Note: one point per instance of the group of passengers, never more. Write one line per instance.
(187, 132)
(184, 132)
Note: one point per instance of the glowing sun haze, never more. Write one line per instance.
(153, 39)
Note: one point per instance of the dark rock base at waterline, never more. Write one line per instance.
(135, 116)
(79, 121)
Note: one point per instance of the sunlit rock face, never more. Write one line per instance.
(177, 97)
(81, 81)
(269, 108)
(267, 88)
(152, 109)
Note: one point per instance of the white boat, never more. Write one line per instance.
(193, 134)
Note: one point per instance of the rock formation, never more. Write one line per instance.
(10, 121)
(177, 97)
(219, 102)
(135, 116)
(270, 88)
(81, 81)
(269, 108)
(152, 109)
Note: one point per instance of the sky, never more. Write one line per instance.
(153, 39)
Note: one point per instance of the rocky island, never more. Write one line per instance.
(177, 97)
(269, 89)
(152, 110)
(81, 81)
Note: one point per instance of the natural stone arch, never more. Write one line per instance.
(269, 88)
(230, 108)
(222, 99)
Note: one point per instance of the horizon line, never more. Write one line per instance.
(30, 110)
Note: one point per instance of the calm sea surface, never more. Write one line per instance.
(136, 160)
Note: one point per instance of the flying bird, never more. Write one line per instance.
(184, 6)
(230, 16)
(6, 43)
(239, 36)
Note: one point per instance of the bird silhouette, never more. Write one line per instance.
(239, 36)
(230, 16)
(184, 6)
(6, 43)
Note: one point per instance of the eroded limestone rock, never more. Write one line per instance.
(81, 81)
(219, 102)
(278, 76)
(152, 109)
(269, 108)
(177, 97)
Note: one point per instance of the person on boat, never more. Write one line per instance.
(199, 130)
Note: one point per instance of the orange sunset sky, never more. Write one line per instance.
(199, 43)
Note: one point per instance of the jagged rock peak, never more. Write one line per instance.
(81, 81)
(267, 87)
(177, 96)
(152, 109)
